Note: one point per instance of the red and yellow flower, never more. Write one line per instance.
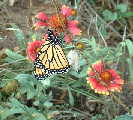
(33, 48)
(60, 23)
(102, 80)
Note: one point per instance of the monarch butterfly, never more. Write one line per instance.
(51, 58)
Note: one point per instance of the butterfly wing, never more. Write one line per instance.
(50, 60)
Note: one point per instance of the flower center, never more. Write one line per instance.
(37, 50)
(106, 77)
(58, 22)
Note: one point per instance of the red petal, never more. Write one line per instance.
(32, 49)
(68, 38)
(101, 87)
(118, 81)
(72, 26)
(114, 73)
(114, 87)
(66, 11)
(98, 66)
(38, 24)
(91, 72)
(42, 16)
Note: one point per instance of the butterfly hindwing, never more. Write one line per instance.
(50, 59)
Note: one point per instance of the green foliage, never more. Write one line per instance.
(129, 45)
(13, 56)
(19, 35)
(122, 7)
(121, 11)
(71, 98)
(108, 15)
(98, 117)
(124, 117)
(15, 107)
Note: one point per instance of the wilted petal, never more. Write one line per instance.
(73, 59)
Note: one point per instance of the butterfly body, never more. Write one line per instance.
(51, 58)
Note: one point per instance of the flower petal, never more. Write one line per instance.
(41, 16)
(66, 11)
(32, 49)
(72, 26)
(98, 66)
(93, 82)
(39, 24)
(115, 87)
(90, 72)
(101, 82)
(116, 77)
(67, 38)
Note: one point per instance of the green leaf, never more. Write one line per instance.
(82, 62)
(130, 64)
(124, 117)
(122, 7)
(132, 110)
(36, 103)
(92, 43)
(77, 84)
(80, 74)
(127, 14)
(24, 77)
(15, 103)
(130, 47)
(31, 93)
(9, 74)
(38, 116)
(71, 98)
(20, 36)
(98, 117)
(46, 82)
(16, 107)
(48, 104)
(13, 56)
(109, 16)
(27, 83)
(8, 112)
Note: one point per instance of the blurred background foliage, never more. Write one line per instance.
(107, 34)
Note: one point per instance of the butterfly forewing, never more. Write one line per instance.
(51, 58)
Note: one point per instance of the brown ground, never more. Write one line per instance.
(21, 13)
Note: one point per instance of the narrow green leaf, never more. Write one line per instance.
(130, 47)
(71, 98)
(130, 67)
(124, 117)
